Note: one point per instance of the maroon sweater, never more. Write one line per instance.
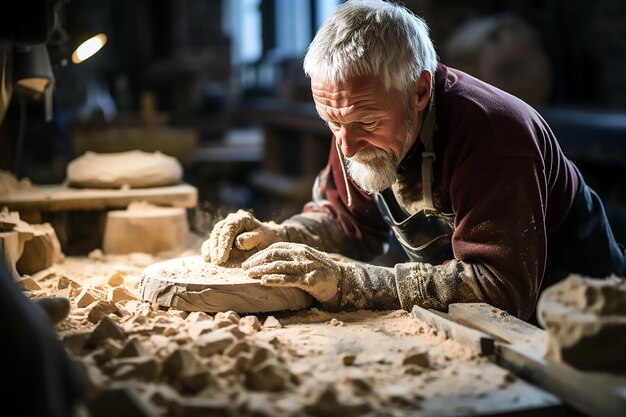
(500, 170)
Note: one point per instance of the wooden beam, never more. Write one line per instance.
(478, 342)
(498, 323)
(593, 393)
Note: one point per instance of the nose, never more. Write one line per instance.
(349, 142)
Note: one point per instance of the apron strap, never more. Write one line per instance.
(428, 156)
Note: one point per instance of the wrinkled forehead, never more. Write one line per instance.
(360, 92)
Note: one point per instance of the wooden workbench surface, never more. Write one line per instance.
(60, 197)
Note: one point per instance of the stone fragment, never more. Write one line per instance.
(28, 284)
(132, 348)
(195, 316)
(101, 309)
(86, 297)
(250, 324)
(271, 322)
(145, 368)
(120, 293)
(228, 315)
(211, 343)
(416, 356)
(268, 376)
(178, 313)
(106, 329)
(234, 330)
(65, 282)
(237, 348)
(107, 350)
(115, 279)
(585, 319)
(334, 322)
(67, 288)
(260, 354)
(181, 362)
(220, 324)
(199, 328)
(164, 396)
(194, 383)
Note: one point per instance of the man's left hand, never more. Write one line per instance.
(300, 266)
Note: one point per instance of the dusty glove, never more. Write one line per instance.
(244, 231)
(336, 284)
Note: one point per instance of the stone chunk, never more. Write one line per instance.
(209, 344)
(181, 362)
(228, 315)
(86, 297)
(145, 368)
(101, 309)
(271, 322)
(250, 324)
(67, 288)
(585, 319)
(268, 376)
(106, 329)
(119, 294)
(115, 279)
(132, 349)
(199, 328)
(416, 356)
(195, 316)
(28, 284)
(195, 383)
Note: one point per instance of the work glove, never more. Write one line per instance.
(336, 282)
(244, 231)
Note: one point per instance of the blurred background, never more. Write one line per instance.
(219, 85)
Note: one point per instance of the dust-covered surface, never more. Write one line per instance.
(308, 362)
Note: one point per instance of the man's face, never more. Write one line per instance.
(373, 127)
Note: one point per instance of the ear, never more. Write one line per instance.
(421, 91)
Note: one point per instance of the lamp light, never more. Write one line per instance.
(88, 48)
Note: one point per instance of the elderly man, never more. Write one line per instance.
(470, 180)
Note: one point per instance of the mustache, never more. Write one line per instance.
(373, 154)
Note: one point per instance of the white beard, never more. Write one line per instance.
(374, 169)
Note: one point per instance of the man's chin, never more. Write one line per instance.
(369, 181)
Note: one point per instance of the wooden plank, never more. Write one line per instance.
(498, 323)
(476, 341)
(61, 197)
(596, 394)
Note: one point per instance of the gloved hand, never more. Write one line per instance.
(336, 284)
(245, 231)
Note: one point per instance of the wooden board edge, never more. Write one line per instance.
(478, 342)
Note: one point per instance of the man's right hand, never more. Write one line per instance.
(245, 231)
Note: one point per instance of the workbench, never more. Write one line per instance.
(320, 363)
(78, 214)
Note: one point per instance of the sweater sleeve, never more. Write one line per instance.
(499, 242)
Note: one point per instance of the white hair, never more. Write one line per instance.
(372, 37)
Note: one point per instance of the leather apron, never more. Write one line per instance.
(425, 235)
